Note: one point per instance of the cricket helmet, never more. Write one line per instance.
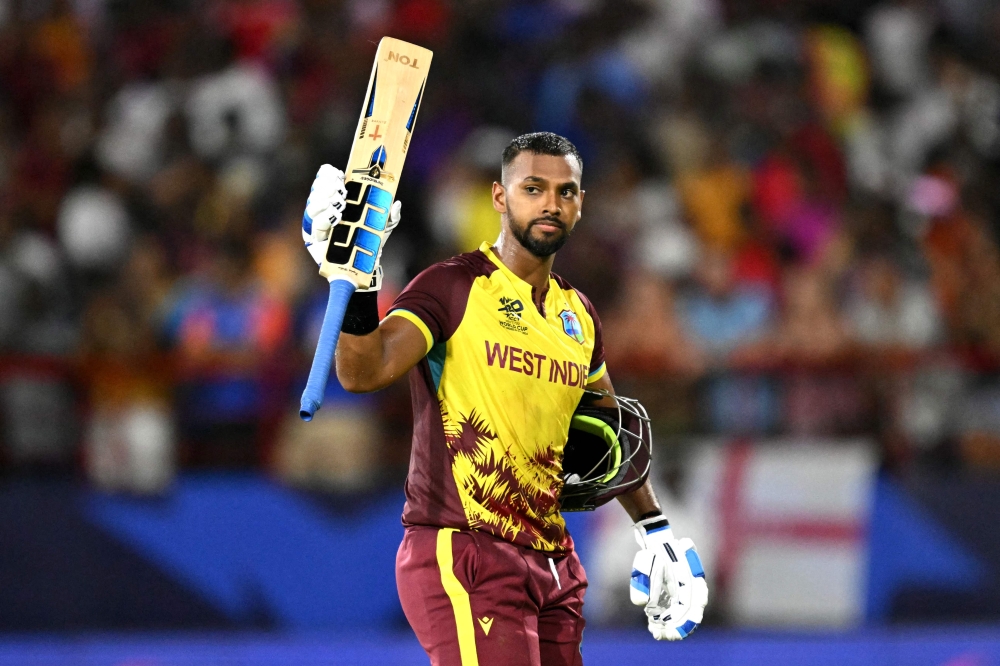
(608, 450)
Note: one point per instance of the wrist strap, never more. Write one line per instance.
(654, 523)
(361, 315)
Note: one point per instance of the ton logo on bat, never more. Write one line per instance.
(402, 59)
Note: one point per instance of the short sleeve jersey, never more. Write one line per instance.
(494, 396)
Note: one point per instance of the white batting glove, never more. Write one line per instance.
(668, 580)
(324, 208)
(325, 205)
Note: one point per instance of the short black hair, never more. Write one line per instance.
(540, 143)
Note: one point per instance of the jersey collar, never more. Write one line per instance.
(487, 249)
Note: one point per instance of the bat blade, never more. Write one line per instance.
(381, 141)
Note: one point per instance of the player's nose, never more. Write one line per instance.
(552, 206)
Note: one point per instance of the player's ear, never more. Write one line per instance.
(499, 198)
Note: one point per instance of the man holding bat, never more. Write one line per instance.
(503, 356)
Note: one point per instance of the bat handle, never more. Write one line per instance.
(341, 291)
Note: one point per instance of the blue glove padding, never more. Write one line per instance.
(324, 208)
(668, 580)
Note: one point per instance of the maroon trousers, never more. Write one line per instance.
(476, 600)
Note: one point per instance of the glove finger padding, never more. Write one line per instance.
(394, 216)
(642, 567)
(668, 580)
(316, 250)
(325, 204)
(686, 607)
(324, 208)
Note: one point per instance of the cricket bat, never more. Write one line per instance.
(381, 142)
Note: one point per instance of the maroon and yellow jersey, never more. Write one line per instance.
(493, 397)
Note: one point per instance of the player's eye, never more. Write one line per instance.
(568, 192)
(531, 189)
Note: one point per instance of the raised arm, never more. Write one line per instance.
(370, 355)
(371, 362)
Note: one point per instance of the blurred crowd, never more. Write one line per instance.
(790, 227)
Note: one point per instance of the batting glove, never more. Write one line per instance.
(324, 208)
(668, 580)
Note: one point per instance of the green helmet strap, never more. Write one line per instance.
(599, 428)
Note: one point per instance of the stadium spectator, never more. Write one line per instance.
(227, 333)
(748, 166)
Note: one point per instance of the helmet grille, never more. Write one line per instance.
(607, 451)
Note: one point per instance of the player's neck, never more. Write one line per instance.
(533, 270)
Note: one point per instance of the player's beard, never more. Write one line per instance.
(540, 247)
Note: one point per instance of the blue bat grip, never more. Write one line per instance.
(340, 293)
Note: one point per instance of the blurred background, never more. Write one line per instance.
(791, 235)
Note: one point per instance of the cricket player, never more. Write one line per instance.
(500, 351)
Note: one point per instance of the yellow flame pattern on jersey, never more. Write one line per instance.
(510, 497)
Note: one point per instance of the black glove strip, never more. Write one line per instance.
(361, 316)
(653, 514)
